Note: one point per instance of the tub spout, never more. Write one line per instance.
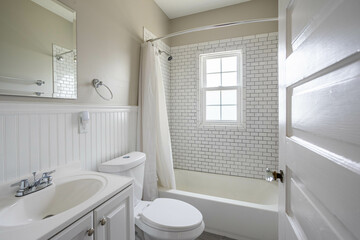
(273, 176)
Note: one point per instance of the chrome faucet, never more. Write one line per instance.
(273, 176)
(26, 188)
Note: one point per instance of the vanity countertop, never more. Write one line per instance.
(90, 189)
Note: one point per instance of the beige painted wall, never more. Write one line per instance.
(109, 34)
(26, 43)
(248, 10)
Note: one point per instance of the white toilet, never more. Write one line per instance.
(163, 218)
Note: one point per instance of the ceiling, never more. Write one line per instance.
(56, 8)
(180, 8)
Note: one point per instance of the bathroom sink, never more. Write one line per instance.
(62, 196)
(42, 214)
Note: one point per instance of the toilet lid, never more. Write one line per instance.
(122, 163)
(171, 215)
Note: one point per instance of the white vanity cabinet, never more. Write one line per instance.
(112, 220)
(82, 229)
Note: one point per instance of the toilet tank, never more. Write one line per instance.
(130, 165)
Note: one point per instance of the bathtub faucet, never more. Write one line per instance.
(273, 176)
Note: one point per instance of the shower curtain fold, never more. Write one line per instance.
(153, 126)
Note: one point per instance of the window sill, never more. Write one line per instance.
(219, 126)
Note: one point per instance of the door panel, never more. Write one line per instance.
(304, 207)
(119, 218)
(319, 119)
(77, 230)
(331, 185)
(115, 228)
(321, 111)
(333, 37)
(304, 19)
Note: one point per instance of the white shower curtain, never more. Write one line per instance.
(153, 126)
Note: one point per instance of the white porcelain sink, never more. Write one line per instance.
(74, 194)
(62, 196)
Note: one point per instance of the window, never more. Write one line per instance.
(221, 88)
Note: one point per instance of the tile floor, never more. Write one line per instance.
(210, 236)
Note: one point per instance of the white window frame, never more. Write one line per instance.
(203, 89)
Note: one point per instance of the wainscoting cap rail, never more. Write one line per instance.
(21, 107)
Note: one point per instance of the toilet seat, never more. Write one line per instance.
(171, 215)
(166, 218)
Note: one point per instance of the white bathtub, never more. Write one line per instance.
(236, 207)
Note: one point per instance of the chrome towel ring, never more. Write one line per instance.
(97, 83)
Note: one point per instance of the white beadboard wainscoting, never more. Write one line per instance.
(35, 137)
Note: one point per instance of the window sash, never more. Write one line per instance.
(237, 54)
(237, 105)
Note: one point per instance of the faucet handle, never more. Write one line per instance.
(46, 178)
(47, 174)
(272, 176)
(269, 175)
(23, 184)
(34, 175)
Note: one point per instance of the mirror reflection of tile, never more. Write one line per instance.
(64, 62)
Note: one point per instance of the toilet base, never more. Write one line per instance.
(139, 234)
(189, 235)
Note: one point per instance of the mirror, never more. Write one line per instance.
(37, 49)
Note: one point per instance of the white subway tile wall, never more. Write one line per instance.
(65, 83)
(230, 151)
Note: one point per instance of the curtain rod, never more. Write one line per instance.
(220, 25)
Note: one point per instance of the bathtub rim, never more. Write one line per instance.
(270, 207)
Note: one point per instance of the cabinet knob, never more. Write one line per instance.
(103, 221)
(90, 232)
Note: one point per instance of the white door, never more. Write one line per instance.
(114, 220)
(82, 229)
(319, 115)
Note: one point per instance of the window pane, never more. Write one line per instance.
(213, 65)
(229, 79)
(228, 113)
(229, 64)
(228, 97)
(213, 80)
(213, 113)
(213, 98)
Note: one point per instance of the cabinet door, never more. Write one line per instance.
(114, 219)
(79, 230)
